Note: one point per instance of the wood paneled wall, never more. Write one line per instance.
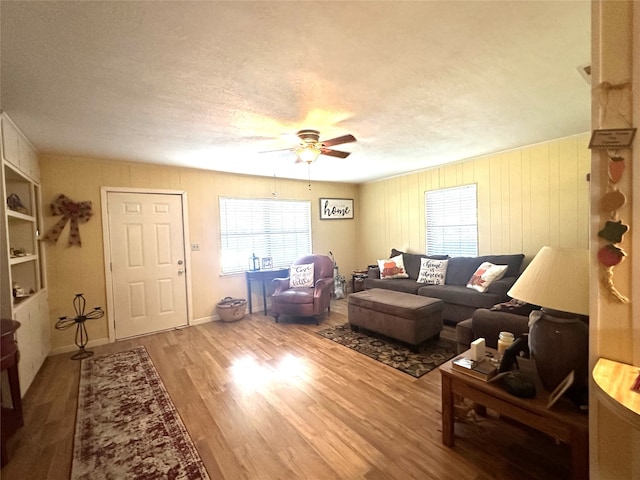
(527, 198)
(73, 270)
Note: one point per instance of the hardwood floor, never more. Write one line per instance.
(276, 401)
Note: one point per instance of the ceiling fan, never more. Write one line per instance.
(310, 146)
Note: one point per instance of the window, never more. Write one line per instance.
(451, 218)
(280, 229)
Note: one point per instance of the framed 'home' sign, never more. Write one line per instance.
(336, 208)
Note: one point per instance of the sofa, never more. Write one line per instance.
(459, 301)
(486, 323)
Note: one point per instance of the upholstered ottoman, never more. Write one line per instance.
(403, 316)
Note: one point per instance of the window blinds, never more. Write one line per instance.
(452, 221)
(280, 229)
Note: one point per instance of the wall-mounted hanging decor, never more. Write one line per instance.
(612, 138)
(74, 212)
(611, 141)
(336, 208)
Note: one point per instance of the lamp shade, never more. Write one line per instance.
(558, 279)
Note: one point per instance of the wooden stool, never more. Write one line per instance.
(11, 417)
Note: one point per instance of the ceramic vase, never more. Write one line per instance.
(559, 345)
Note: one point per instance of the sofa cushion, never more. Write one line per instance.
(412, 261)
(460, 269)
(406, 285)
(501, 287)
(392, 268)
(460, 295)
(485, 275)
(432, 272)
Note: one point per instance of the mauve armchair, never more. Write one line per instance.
(303, 301)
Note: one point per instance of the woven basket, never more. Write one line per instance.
(231, 309)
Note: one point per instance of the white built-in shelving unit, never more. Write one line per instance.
(23, 290)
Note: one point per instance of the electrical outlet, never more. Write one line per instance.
(195, 247)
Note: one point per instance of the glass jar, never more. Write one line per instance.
(505, 339)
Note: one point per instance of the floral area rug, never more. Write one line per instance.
(399, 356)
(127, 426)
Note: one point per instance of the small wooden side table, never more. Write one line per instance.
(562, 421)
(263, 276)
(357, 280)
(12, 418)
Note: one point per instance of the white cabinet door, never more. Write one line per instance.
(34, 161)
(10, 142)
(26, 346)
(44, 328)
(28, 159)
(33, 338)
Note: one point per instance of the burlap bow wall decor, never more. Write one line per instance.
(70, 211)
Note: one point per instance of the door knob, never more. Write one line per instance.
(180, 272)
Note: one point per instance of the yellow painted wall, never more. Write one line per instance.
(72, 270)
(527, 198)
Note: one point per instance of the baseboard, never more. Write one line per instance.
(73, 348)
(104, 341)
(200, 321)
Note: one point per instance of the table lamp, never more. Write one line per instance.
(557, 279)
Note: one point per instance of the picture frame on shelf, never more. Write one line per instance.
(267, 263)
(336, 208)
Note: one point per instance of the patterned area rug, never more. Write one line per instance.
(127, 425)
(399, 356)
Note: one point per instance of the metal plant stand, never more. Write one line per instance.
(82, 337)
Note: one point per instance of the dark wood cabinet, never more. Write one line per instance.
(12, 418)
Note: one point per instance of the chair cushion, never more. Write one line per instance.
(297, 295)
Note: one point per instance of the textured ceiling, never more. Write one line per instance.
(211, 84)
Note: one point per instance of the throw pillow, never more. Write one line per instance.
(432, 272)
(392, 268)
(485, 274)
(301, 276)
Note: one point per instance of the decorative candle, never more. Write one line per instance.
(504, 341)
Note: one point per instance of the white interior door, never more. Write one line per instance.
(146, 235)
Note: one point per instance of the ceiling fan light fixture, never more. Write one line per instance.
(308, 153)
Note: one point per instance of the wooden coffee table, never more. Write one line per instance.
(562, 421)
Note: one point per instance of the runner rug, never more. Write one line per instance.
(399, 356)
(127, 425)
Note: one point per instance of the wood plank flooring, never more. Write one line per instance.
(276, 401)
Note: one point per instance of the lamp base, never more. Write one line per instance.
(559, 343)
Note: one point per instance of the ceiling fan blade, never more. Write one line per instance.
(334, 153)
(339, 140)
